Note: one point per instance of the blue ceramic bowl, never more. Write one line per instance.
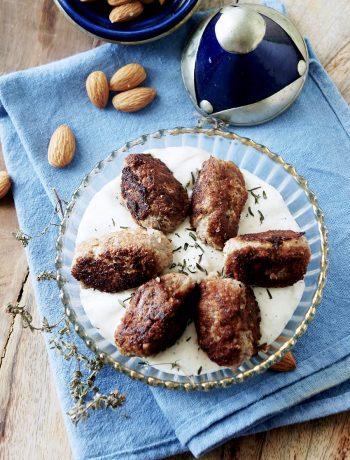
(156, 21)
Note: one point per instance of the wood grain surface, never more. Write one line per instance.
(33, 32)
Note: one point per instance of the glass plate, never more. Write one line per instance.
(257, 159)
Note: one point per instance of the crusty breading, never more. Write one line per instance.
(227, 321)
(157, 316)
(218, 198)
(122, 259)
(152, 194)
(276, 258)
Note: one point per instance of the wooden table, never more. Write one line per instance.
(33, 32)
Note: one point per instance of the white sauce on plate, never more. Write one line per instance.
(105, 214)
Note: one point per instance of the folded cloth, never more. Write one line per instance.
(312, 134)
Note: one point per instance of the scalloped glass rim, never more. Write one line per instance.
(246, 153)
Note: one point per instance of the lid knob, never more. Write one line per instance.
(239, 29)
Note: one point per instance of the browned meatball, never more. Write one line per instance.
(157, 316)
(218, 198)
(276, 258)
(152, 194)
(121, 260)
(227, 321)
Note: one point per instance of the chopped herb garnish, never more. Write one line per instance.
(199, 370)
(177, 249)
(128, 298)
(173, 265)
(261, 216)
(143, 363)
(199, 247)
(264, 195)
(121, 303)
(200, 258)
(255, 195)
(190, 229)
(188, 268)
(188, 184)
(185, 246)
(200, 268)
(113, 221)
(177, 235)
(269, 293)
(193, 236)
(193, 178)
(188, 339)
(250, 211)
(125, 228)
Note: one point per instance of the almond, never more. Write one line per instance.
(118, 2)
(5, 183)
(97, 88)
(128, 77)
(61, 147)
(286, 364)
(134, 99)
(126, 12)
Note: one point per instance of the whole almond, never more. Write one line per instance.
(5, 183)
(126, 12)
(134, 99)
(286, 364)
(61, 147)
(97, 88)
(128, 77)
(118, 2)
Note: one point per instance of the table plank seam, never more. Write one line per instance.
(10, 331)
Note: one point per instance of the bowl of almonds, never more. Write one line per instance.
(128, 21)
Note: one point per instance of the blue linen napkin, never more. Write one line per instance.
(313, 135)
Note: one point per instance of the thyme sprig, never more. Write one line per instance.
(24, 238)
(46, 276)
(83, 389)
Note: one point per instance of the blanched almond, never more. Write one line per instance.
(97, 88)
(126, 12)
(134, 99)
(128, 77)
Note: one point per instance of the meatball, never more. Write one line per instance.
(227, 321)
(276, 258)
(218, 198)
(157, 316)
(152, 194)
(121, 260)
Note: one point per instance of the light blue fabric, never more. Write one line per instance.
(313, 135)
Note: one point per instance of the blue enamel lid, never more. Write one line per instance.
(245, 64)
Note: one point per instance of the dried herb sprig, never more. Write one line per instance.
(24, 238)
(27, 319)
(46, 276)
(83, 389)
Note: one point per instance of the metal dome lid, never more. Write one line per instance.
(245, 64)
